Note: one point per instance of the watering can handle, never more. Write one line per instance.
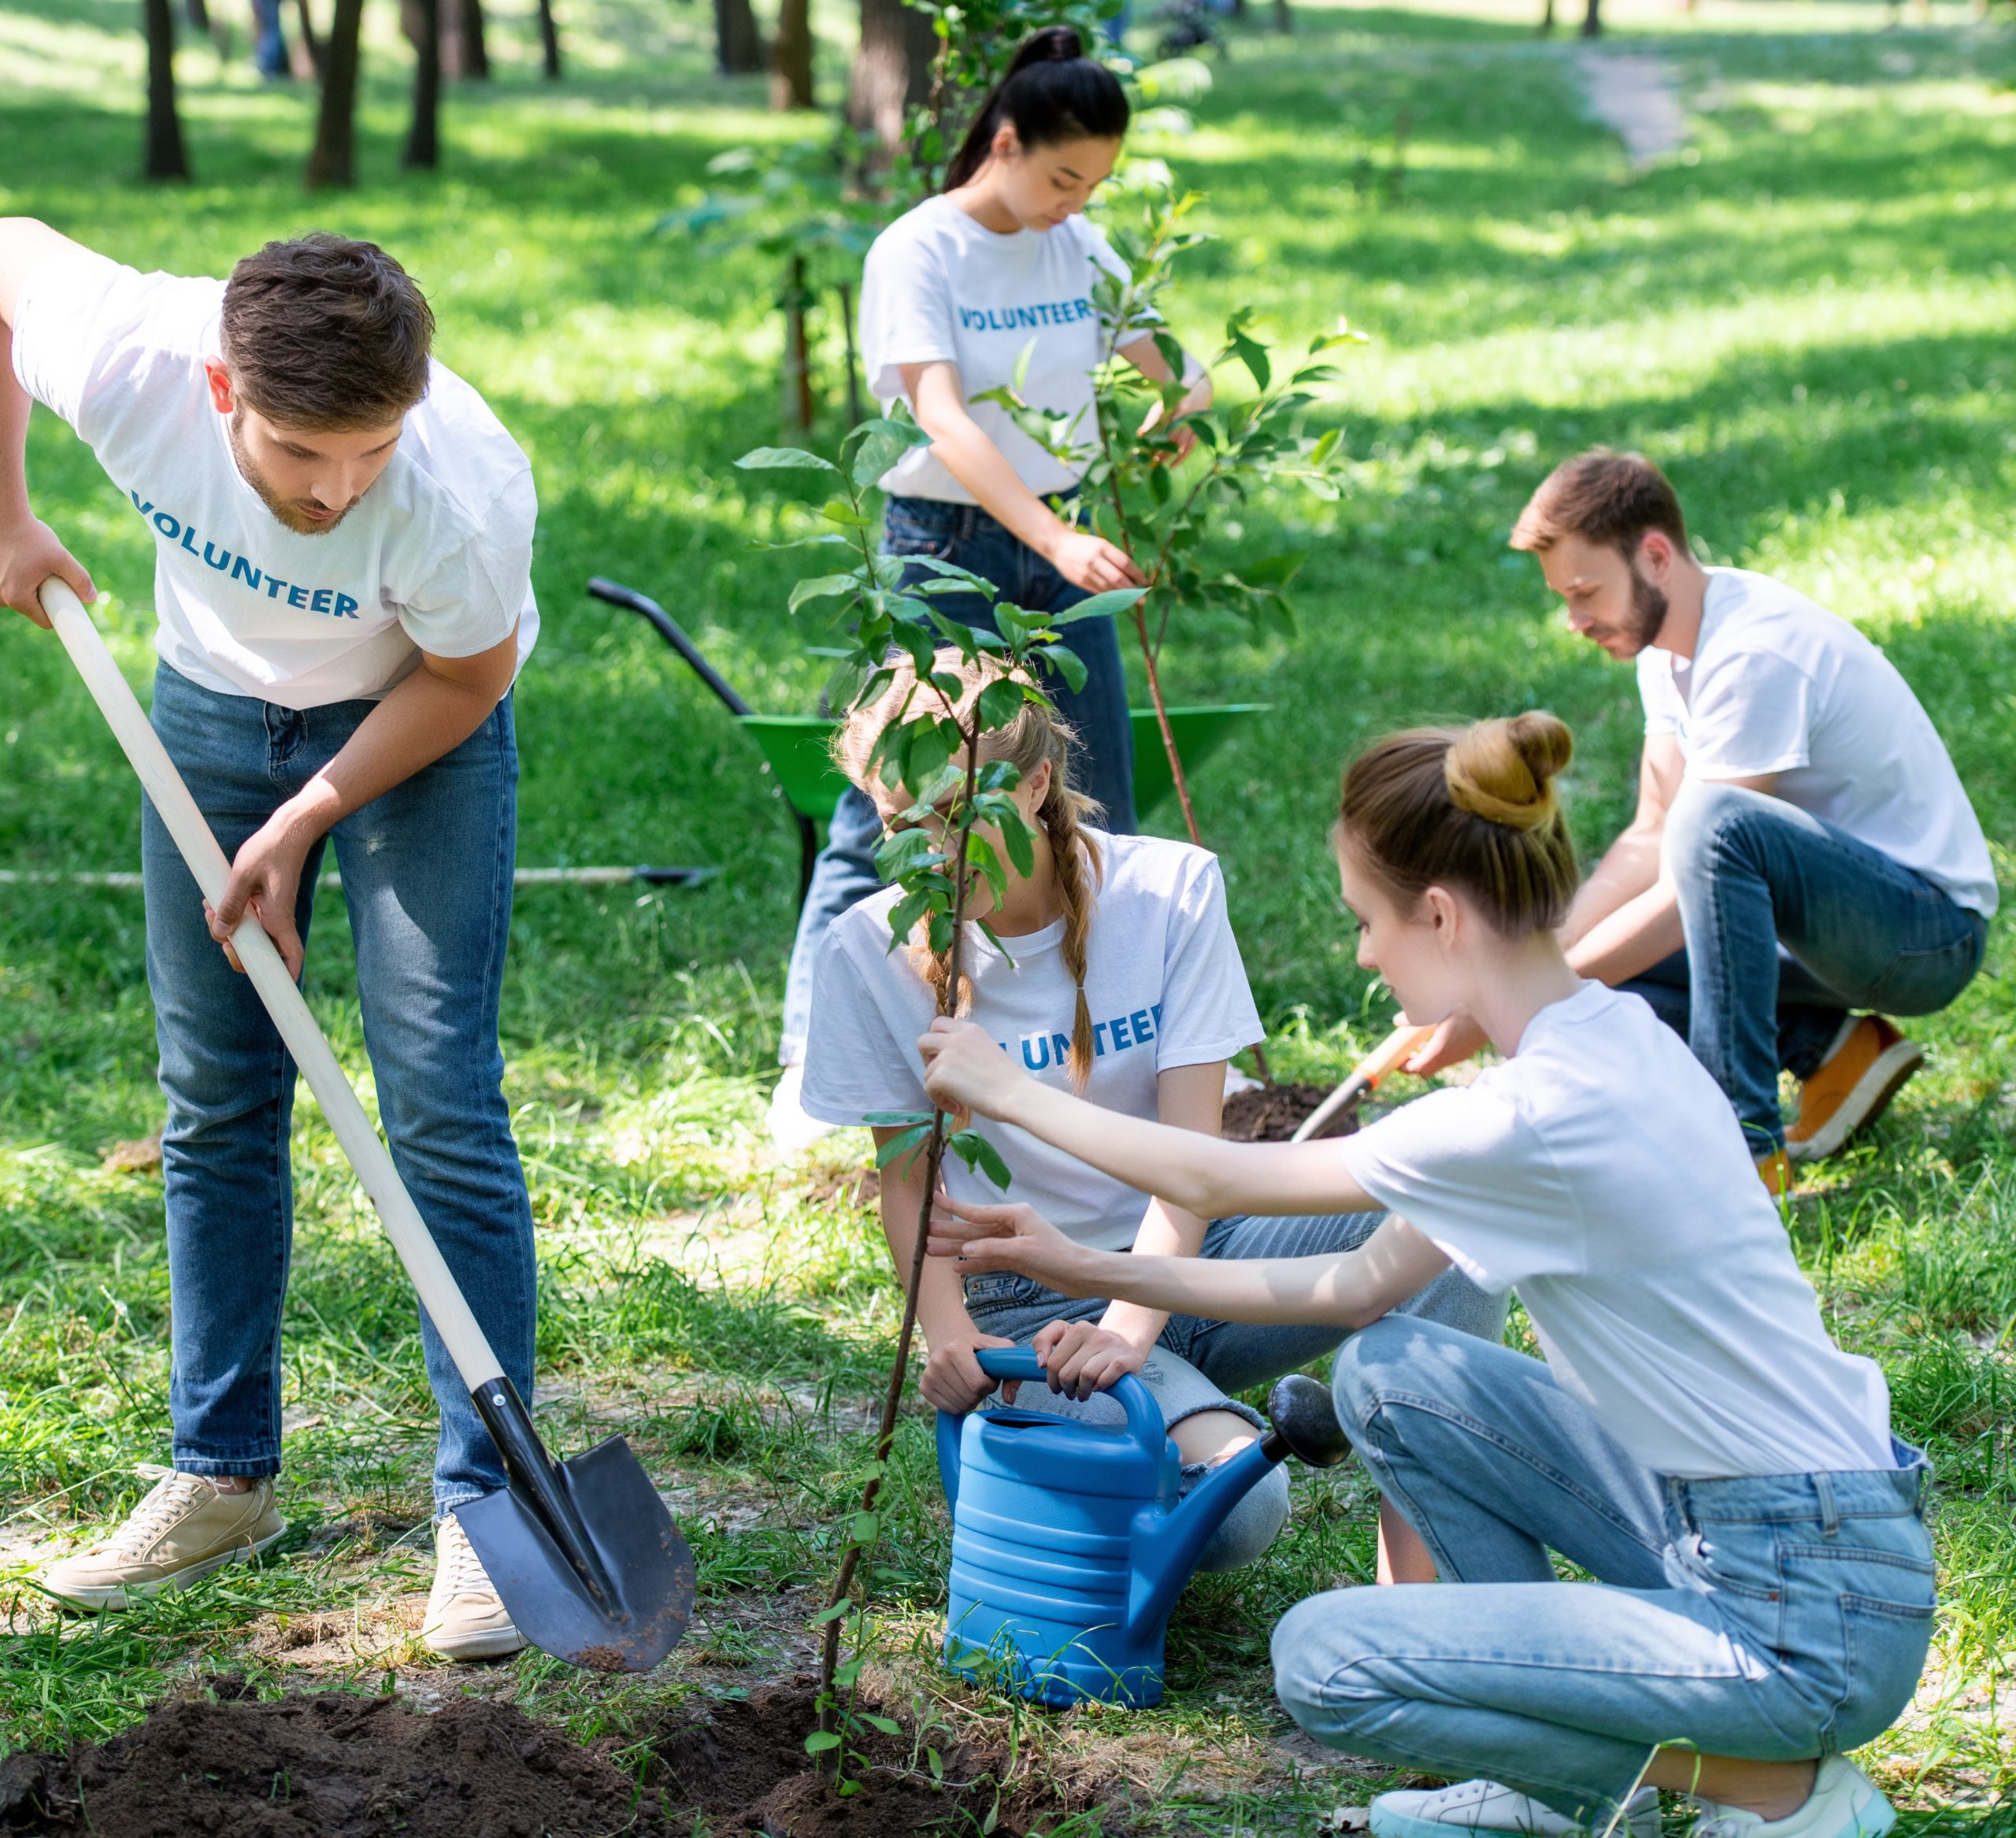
(1144, 1415)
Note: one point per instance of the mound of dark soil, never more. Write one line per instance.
(332, 1764)
(743, 1768)
(335, 1765)
(1274, 1114)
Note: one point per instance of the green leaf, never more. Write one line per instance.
(864, 1527)
(888, 1725)
(762, 457)
(1273, 571)
(820, 1741)
(833, 1613)
(883, 447)
(1116, 600)
(933, 1759)
(1253, 355)
(900, 1148)
(1000, 702)
(1067, 664)
(981, 1156)
(838, 510)
(822, 587)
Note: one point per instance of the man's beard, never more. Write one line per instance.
(1649, 605)
(290, 513)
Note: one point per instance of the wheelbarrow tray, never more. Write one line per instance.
(797, 750)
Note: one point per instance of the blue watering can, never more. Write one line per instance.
(1069, 1544)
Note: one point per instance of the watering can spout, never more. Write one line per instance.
(1167, 1543)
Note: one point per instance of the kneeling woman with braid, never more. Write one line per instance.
(1693, 1439)
(1120, 981)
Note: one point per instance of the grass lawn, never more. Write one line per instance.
(1804, 314)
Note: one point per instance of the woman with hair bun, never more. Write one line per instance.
(998, 274)
(1692, 1438)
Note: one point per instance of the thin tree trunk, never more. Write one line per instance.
(199, 13)
(424, 135)
(791, 88)
(308, 48)
(891, 71)
(797, 405)
(161, 155)
(1284, 20)
(472, 48)
(847, 333)
(333, 162)
(1592, 20)
(549, 38)
(738, 45)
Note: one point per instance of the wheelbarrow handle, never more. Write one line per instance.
(466, 1341)
(618, 595)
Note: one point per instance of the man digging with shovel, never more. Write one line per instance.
(342, 535)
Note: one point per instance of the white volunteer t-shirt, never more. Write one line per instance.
(1778, 684)
(940, 285)
(436, 555)
(1163, 981)
(1601, 1173)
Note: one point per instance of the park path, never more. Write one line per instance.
(1634, 95)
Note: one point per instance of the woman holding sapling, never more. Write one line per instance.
(1693, 1438)
(999, 274)
(1116, 977)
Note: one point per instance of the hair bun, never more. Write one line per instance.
(1503, 771)
(1054, 44)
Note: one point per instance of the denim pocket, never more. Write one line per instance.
(1884, 1644)
(905, 540)
(1921, 982)
(1003, 1289)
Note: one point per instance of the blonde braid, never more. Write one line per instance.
(1071, 851)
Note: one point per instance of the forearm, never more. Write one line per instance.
(15, 405)
(1166, 1231)
(1325, 1289)
(1199, 1174)
(1643, 931)
(977, 463)
(1629, 867)
(424, 717)
(941, 1299)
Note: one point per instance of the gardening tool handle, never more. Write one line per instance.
(466, 1342)
(1404, 1041)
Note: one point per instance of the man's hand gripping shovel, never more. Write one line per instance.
(583, 1553)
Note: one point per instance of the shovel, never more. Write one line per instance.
(1402, 1043)
(582, 1553)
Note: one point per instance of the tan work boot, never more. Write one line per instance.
(1866, 1066)
(183, 1530)
(1775, 1170)
(464, 1619)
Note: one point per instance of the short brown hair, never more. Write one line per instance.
(1472, 809)
(1605, 497)
(326, 333)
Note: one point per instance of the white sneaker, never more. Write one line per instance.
(465, 1618)
(791, 1127)
(1484, 1806)
(1845, 1803)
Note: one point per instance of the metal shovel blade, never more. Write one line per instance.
(628, 1613)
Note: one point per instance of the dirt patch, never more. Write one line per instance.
(338, 1766)
(1274, 1113)
(743, 1768)
(334, 1764)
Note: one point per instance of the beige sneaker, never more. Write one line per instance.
(183, 1530)
(464, 1619)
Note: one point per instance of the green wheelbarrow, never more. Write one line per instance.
(797, 748)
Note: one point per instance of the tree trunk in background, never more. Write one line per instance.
(334, 161)
(798, 407)
(308, 51)
(738, 45)
(549, 38)
(465, 51)
(791, 86)
(1547, 20)
(198, 13)
(424, 136)
(891, 71)
(161, 155)
(1592, 20)
(1284, 22)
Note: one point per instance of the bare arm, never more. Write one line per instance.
(29, 552)
(431, 713)
(1146, 356)
(1089, 560)
(1348, 1291)
(1626, 918)
(1204, 1175)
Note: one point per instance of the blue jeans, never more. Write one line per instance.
(427, 877)
(1197, 1362)
(1791, 923)
(963, 534)
(1779, 1617)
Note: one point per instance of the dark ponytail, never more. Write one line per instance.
(1052, 92)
